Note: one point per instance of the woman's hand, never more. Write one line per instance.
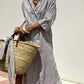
(19, 30)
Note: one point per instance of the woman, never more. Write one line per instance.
(39, 16)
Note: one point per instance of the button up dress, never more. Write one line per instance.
(43, 68)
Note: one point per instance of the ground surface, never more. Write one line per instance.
(4, 79)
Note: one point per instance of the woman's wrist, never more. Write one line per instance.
(25, 30)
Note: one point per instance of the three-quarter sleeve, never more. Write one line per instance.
(49, 16)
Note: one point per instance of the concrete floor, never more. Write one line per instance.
(4, 79)
(67, 82)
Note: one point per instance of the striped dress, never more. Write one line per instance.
(43, 69)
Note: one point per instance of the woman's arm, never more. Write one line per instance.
(30, 28)
(33, 27)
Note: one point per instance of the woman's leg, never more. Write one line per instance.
(19, 79)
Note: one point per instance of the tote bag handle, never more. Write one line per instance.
(13, 35)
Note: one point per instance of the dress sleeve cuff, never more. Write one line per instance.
(44, 25)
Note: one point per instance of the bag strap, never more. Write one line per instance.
(13, 35)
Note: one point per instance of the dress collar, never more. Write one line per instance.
(32, 4)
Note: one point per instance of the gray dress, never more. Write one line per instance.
(43, 68)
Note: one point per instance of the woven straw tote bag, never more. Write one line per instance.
(24, 54)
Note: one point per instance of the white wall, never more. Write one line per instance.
(10, 16)
(68, 34)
